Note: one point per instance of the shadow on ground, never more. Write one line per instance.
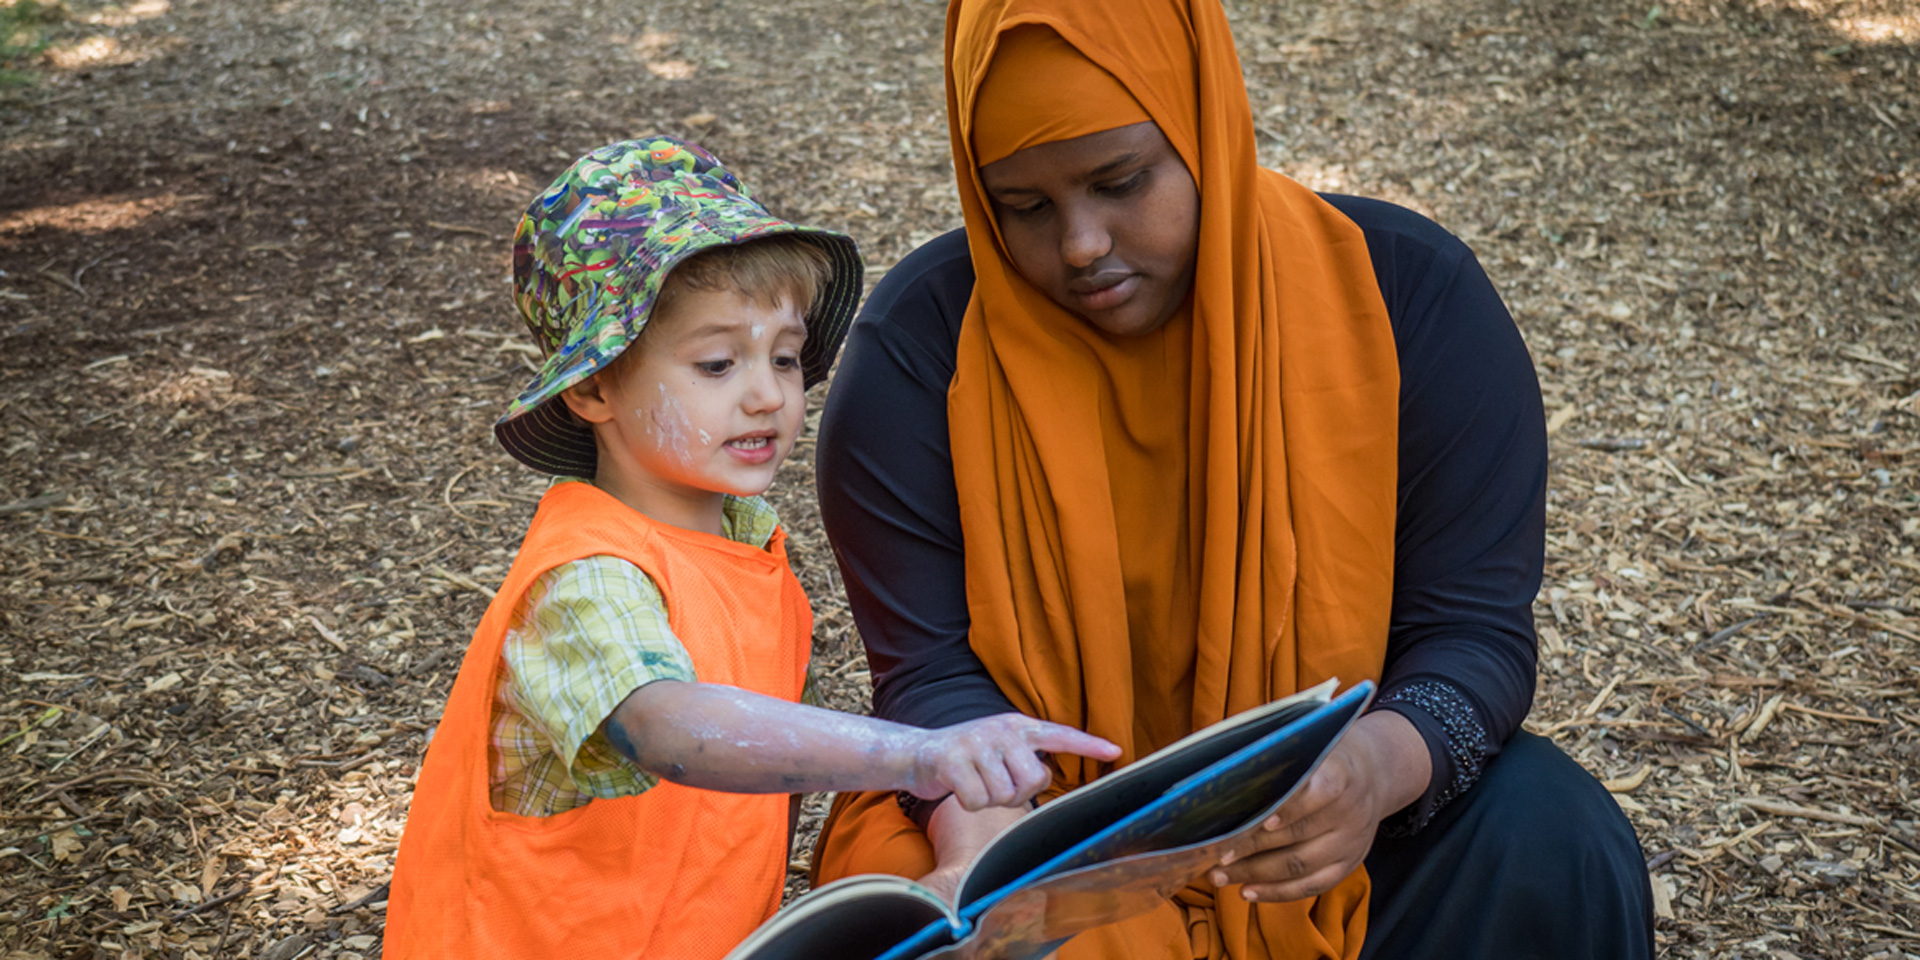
(253, 329)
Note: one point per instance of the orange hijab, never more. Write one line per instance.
(1164, 531)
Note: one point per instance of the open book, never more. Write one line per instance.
(1110, 850)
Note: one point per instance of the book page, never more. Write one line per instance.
(1135, 864)
(858, 918)
(1053, 829)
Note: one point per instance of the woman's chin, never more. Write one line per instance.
(1128, 320)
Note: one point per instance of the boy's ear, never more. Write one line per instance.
(587, 402)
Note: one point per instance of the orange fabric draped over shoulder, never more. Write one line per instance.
(1166, 530)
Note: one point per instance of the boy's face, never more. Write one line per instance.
(709, 404)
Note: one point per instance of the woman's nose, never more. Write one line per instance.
(1086, 239)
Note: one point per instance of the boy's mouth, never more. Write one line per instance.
(754, 448)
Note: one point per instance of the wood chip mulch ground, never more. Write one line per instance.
(253, 329)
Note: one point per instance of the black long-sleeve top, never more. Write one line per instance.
(1469, 534)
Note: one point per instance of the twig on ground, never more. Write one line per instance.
(1613, 444)
(446, 496)
(110, 775)
(1726, 634)
(34, 503)
(221, 900)
(49, 831)
(379, 893)
(326, 634)
(460, 228)
(1780, 809)
(1848, 717)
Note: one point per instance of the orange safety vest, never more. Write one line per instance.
(672, 873)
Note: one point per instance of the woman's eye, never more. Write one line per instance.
(1025, 210)
(714, 367)
(1126, 186)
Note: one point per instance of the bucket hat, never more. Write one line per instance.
(589, 259)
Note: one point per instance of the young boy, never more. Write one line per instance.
(611, 776)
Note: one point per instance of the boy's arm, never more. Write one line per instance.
(587, 634)
(723, 738)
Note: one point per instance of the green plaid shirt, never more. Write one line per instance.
(587, 634)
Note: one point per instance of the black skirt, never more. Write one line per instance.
(1535, 860)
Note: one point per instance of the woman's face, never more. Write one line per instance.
(1106, 225)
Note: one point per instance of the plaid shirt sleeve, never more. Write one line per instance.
(587, 634)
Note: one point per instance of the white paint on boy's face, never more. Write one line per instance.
(711, 405)
(669, 424)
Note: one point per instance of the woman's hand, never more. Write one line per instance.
(958, 836)
(1325, 831)
(993, 762)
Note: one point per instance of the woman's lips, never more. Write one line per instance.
(1107, 291)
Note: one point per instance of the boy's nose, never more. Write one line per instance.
(763, 389)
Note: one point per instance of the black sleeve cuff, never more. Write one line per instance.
(1456, 740)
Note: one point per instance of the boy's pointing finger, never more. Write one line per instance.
(1054, 738)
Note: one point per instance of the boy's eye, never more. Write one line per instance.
(714, 367)
(787, 362)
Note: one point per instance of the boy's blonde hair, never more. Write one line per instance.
(781, 269)
(767, 270)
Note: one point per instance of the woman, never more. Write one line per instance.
(1162, 436)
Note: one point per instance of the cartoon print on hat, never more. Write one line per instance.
(589, 258)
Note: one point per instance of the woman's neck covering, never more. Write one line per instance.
(1166, 530)
(1038, 90)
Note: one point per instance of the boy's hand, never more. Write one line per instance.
(992, 761)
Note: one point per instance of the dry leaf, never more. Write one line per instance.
(1630, 782)
(66, 845)
(1560, 418)
(1662, 898)
(673, 70)
(210, 874)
